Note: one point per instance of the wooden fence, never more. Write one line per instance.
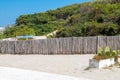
(72, 45)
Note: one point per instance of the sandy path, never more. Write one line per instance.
(72, 65)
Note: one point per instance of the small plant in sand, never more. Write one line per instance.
(104, 58)
(106, 53)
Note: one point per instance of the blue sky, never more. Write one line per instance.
(11, 9)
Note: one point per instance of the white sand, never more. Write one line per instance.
(71, 65)
(20, 74)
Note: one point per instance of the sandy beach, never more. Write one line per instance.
(70, 65)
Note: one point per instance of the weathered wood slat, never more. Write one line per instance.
(4, 47)
(11, 47)
(113, 42)
(90, 45)
(118, 47)
(35, 44)
(44, 47)
(0, 46)
(102, 41)
(77, 45)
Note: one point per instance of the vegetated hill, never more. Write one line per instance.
(101, 17)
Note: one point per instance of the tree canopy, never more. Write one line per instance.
(99, 17)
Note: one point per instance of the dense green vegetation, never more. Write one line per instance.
(100, 17)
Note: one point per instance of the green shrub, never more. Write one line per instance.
(106, 53)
